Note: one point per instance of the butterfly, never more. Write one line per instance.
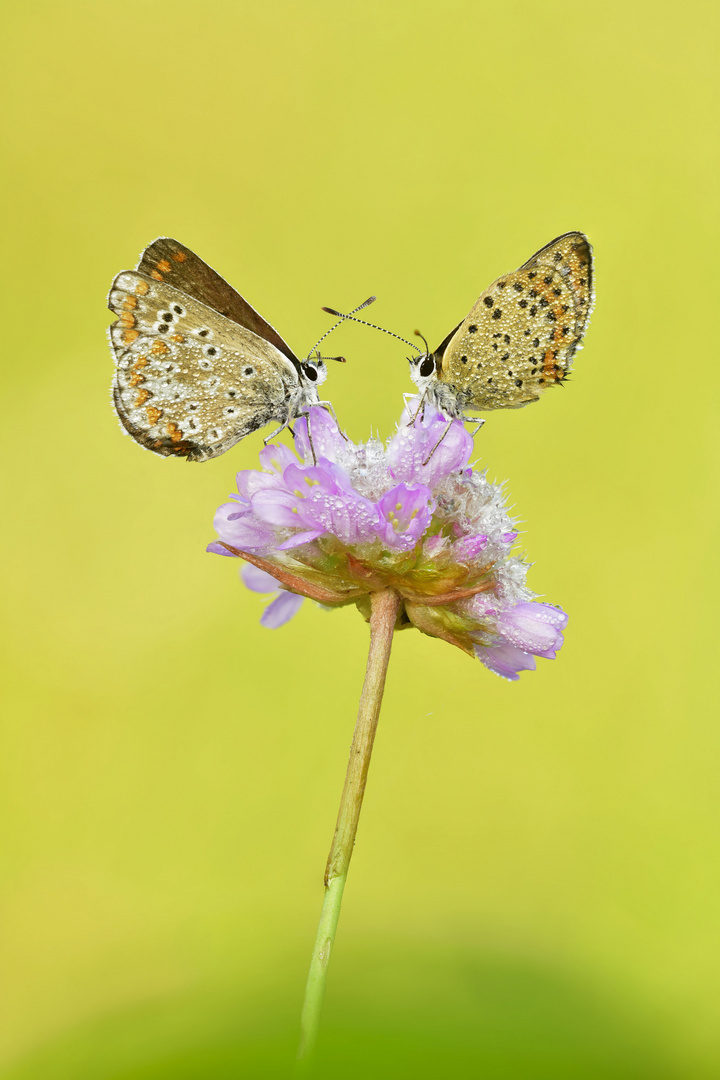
(198, 369)
(519, 338)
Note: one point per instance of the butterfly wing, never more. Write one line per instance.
(189, 381)
(170, 261)
(523, 332)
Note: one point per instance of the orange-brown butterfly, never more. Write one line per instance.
(519, 338)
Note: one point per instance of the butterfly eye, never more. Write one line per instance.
(310, 373)
(427, 366)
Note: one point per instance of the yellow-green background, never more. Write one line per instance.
(535, 886)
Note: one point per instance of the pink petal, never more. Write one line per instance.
(281, 610)
(258, 580)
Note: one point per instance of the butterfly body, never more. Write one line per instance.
(198, 369)
(518, 339)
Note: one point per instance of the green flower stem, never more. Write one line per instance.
(384, 610)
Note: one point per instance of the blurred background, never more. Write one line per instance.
(535, 886)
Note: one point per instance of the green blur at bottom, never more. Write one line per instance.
(416, 1013)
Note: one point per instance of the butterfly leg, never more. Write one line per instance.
(274, 434)
(420, 409)
(474, 420)
(407, 399)
(310, 440)
(447, 428)
(328, 406)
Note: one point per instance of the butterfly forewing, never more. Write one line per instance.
(170, 261)
(521, 335)
(189, 381)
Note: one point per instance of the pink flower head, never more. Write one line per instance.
(340, 521)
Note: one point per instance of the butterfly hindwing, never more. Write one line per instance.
(189, 381)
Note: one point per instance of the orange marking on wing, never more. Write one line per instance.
(177, 337)
(174, 432)
(126, 319)
(130, 302)
(549, 363)
(142, 361)
(130, 335)
(141, 398)
(158, 348)
(136, 378)
(163, 265)
(153, 414)
(158, 277)
(142, 288)
(179, 256)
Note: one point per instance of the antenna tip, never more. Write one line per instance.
(330, 311)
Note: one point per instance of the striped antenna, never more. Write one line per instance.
(341, 319)
(332, 311)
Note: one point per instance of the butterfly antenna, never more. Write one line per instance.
(332, 311)
(341, 319)
(427, 347)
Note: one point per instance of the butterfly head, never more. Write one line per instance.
(422, 366)
(314, 372)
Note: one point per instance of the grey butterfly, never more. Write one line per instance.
(198, 369)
